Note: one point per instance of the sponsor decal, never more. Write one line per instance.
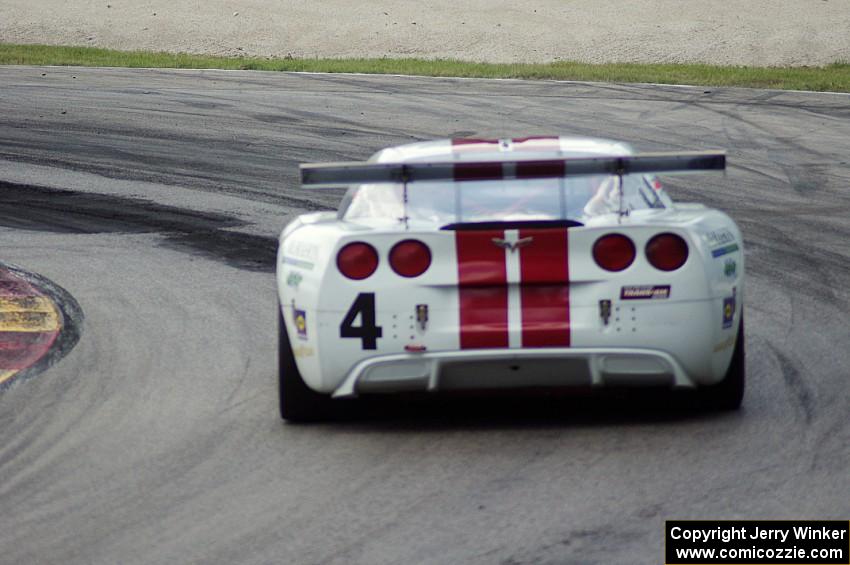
(303, 351)
(718, 238)
(294, 279)
(643, 292)
(300, 254)
(729, 310)
(725, 344)
(298, 263)
(300, 319)
(302, 250)
(721, 242)
(730, 268)
(725, 250)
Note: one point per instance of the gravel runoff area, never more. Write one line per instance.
(752, 32)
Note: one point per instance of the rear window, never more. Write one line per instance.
(575, 198)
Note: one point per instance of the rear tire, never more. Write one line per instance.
(728, 394)
(298, 402)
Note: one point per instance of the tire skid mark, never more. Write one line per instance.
(64, 211)
(819, 269)
(800, 391)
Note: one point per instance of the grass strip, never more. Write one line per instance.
(834, 77)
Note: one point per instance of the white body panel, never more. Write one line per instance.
(682, 339)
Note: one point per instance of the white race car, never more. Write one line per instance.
(489, 264)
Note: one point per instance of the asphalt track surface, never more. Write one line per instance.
(155, 197)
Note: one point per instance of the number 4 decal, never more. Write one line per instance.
(367, 331)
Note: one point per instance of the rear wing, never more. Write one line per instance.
(335, 175)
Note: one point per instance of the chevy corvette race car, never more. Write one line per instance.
(490, 264)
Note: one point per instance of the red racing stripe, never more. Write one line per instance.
(478, 171)
(460, 142)
(545, 290)
(537, 142)
(482, 289)
(474, 145)
(540, 169)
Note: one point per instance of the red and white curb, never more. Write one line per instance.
(30, 322)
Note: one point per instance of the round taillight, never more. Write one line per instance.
(614, 252)
(667, 251)
(410, 258)
(357, 260)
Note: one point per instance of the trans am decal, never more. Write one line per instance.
(651, 292)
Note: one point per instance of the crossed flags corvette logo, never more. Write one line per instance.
(512, 246)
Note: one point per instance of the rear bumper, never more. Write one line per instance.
(513, 368)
